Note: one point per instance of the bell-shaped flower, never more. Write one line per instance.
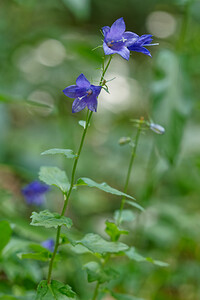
(141, 42)
(34, 193)
(85, 94)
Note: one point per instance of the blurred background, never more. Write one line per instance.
(44, 46)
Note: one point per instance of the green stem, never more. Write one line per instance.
(67, 195)
(96, 291)
(134, 149)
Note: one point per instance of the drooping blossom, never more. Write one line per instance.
(117, 40)
(48, 244)
(34, 192)
(85, 94)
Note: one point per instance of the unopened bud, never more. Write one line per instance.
(124, 140)
(157, 128)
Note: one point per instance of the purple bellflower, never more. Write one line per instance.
(48, 244)
(85, 94)
(117, 40)
(34, 192)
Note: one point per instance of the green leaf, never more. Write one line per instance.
(126, 215)
(66, 152)
(97, 244)
(54, 291)
(42, 256)
(101, 186)
(132, 254)
(95, 272)
(48, 219)
(124, 297)
(134, 204)
(113, 231)
(6, 232)
(54, 176)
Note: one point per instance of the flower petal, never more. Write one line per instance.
(107, 50)
(82, 81)
(124, 52)
(96, 90)
(79, 104)
(130, 38)
(140, 49)
(105, 30)
(117, 29)
(92, 103)
(74, 91)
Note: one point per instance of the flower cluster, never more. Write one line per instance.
(116, 41)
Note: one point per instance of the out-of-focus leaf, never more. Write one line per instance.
(66, 152)
(134, 204)
(54, 176)
(125, 297)
(97, 244)
(6, 232)
(54, 291)
(132, 254)
(48, 219)
(126, 215)
(42, 256)
(95, 272)
(80, 8)
(101, 186)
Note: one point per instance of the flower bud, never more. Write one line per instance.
(157, 128)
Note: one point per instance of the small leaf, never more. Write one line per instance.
(113, 231)
(124, 297)
(97, 244)
(82, 123)
(126, 215)
(54, 291)
(134, 204)
(101, 186)
(132, 254)
(42, 256)
(54, 176)
(66, 152)
(95, 272)
(6, 232)
(48, 219)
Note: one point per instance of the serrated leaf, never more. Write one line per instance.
(95, 272)
(134, 204)
(97, 244)
(54, 291)
(124, 297)
(6, 232)
(126, 215)
(101, 186)
(113, 231)
(132, 254)
(48, 219)
(66, 152)
(54, 176)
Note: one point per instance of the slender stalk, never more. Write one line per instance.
(67, 195)
(96, 291)
(134, 149)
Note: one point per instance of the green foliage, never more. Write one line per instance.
(54, 291)
(97, 244)
(68, 153)
(54, 176)
(96, 272)
(132, 254)
(48, 219)
(126, 215)
(101, 186)
(134, 204)
(113, 231)
(6, 232)
(119, 296)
